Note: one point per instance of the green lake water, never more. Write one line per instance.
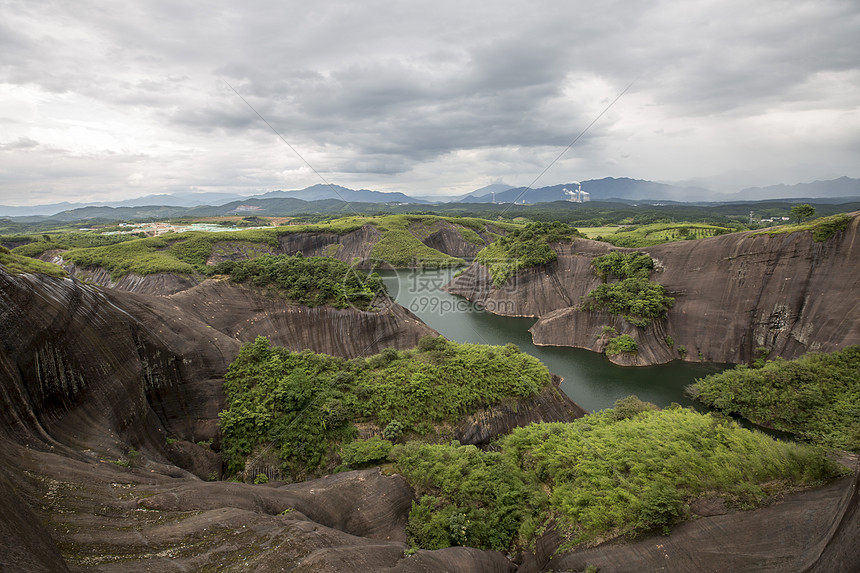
(589, 378)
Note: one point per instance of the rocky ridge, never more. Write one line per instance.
(91, 375)
(354, 247)
(109, 407)
(733, 295)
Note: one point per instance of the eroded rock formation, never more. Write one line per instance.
(93, 381)
(733, 294)
(105, 396)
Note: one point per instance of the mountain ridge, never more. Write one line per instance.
(623, 189)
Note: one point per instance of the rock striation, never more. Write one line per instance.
(97, 383)
(109, 401)
(550, 405)
(734, 294)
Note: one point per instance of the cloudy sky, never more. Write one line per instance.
(104, 100)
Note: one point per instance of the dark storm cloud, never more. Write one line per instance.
(421, 97)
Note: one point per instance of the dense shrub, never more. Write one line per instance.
(609, 476)
(623, 265)
(523, 248)
(638, 300)
(816, 396)
(620, 471)
(498, 502)
(307, 280)
(622, 344)
(306, 404)
(365, 452)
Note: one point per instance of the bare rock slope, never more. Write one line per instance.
(733, 294)
(95, 380)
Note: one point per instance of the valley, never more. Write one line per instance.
(117, 421)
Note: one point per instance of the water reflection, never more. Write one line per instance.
(589, 378)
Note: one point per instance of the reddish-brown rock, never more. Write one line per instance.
(733, 294)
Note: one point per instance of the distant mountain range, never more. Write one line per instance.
(319, 192)
(334, 198)
(188, 200)
(842, 187)
(598, 189)
(626, 189)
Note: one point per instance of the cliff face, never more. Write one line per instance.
(157, 283)
(488, 424)
(89, 376)
(449, 239)
(354, 247)
(92, 382)
(733, 294)
(80, 351)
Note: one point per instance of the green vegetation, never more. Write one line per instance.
(312, 281)
(616, 472)
(816, 397)
(637, 236)
(400, 248)
(522, 248)
(400, 245)
(360, 453)
(623, 265)
(822, 229)
(189, 252)
(636, 298)
(399, 241)
(624, 344)
(500, 504)
(33, 246)
(17, 265)
(141, 256)
(306, 404)
(470, 236)
(803, 211)
(595, 232)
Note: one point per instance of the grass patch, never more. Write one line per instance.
(17, 265)
(400, 243)
(400, 248)
(637, 236)
(470, 236)
(140, 256)
(595, 232)
(815, 397)
(822, 229)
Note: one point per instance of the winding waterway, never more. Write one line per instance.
(589, 378)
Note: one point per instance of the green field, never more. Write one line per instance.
(398, 243)
(594, 232)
